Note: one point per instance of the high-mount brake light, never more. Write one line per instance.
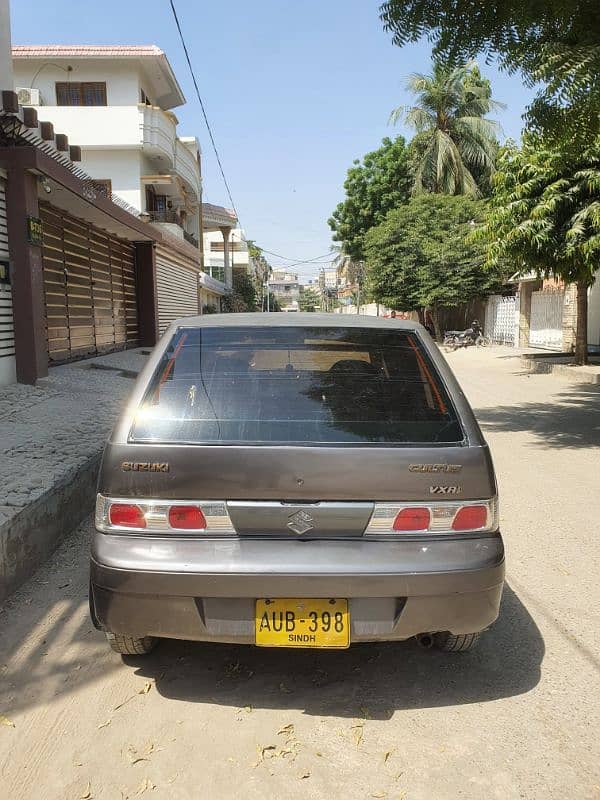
(187, 518)
(126, 515)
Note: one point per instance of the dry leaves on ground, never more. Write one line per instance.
(6, 721)
(87, 793)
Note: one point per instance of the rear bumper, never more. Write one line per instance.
(206, 590)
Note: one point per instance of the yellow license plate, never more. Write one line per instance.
(293, 622)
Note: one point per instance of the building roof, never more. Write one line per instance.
(160, 72)
(215, 216)
(85, 51)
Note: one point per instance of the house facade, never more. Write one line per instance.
(117, 103)
(286, 289)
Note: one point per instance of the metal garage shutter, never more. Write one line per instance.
(7, 330)
(89, 285)
(177, 291)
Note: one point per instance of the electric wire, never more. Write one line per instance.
(210, 133)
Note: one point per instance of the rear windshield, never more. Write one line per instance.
(295, 385)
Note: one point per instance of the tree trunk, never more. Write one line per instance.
(581, 342)
(435, 318)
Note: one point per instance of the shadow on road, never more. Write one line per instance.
(367, 680)
(570, 419)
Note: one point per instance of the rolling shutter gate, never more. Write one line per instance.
(90, 290)
(7, 330)
(177, 287)
(545, 329)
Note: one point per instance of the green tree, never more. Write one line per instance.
(554, 42)
(373, 186)
(243, 296)
(456, 145)
(424, 255)
(545, 216)
(310, 300)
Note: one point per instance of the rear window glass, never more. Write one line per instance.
(295, 385)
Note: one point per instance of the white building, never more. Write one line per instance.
(116, 103)
(285, 287)
(214, 252)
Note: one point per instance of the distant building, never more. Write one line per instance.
(285, 287)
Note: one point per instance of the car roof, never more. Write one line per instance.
(295, 319)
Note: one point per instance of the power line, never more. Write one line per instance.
(287, 258)
(210, 133)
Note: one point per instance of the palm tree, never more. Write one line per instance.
(456, 144)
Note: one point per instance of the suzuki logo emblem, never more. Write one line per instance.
(300, 522)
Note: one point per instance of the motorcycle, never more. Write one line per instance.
(470, 336)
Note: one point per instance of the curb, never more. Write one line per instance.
(544, 366)
(30, 535)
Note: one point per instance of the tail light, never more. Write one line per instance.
(115, 515)
(456, 517)
(126, 515)
(412, 519)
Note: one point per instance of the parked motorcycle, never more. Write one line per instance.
(470, 336)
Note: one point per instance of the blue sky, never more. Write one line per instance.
(294, 92)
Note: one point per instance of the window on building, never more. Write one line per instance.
(218, 273)
(81, 94)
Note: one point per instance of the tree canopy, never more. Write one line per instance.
(456, 145)
(310, 299)
(545, 216)
(424, 255)
(375, 185)
(553, 42)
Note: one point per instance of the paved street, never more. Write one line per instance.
(518, 718)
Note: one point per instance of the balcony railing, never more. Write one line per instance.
(165, 216)
(173, 218)
(189, 237)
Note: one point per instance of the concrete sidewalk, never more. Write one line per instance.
(51, 440)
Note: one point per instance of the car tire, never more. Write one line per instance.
(459, 643)
(131, 645)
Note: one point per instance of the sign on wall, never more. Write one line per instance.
(34, 231)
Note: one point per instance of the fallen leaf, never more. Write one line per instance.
(145, 688)
(145, 785)
(305, 775)
(87, 793)
(246, 709)
(105, 724)
(387, 754)
(133, 755)
(288, 730)
(78, 764)
(6, 721)
(262, 749)
(379, 794)
(116, 708)
(357, 732)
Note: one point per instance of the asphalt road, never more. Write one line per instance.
(517, 718)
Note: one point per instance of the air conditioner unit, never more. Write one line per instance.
(28, 97)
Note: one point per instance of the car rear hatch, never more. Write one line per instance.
(302, 431)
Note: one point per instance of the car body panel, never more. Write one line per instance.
(202, 587)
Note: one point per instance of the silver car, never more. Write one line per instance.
(296, 481)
